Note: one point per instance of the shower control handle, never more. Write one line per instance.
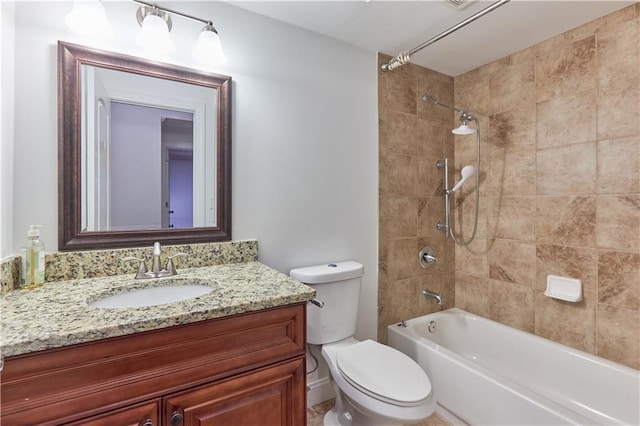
(426, 257)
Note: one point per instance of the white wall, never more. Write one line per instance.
(304, 133)
(7, 77)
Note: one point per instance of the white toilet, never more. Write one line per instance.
(374, 384)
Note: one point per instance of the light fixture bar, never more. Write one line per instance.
(164, 9)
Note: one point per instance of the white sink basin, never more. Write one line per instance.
(152, 296)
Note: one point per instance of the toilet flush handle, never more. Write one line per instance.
(318, 303)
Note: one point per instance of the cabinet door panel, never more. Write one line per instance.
(272, 396)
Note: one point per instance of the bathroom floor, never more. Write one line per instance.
(316, 413)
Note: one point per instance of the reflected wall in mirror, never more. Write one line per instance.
(144, 152)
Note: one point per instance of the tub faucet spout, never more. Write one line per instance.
(427, 294)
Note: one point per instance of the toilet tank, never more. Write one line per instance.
(337, 285)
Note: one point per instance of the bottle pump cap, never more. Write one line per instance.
(34, 232)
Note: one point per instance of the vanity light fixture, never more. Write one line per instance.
(89, 18)
(156, 25)
(154, 32)
(209, 49)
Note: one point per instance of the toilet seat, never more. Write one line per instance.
(383, 373)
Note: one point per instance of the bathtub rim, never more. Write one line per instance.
(533, 396)
(543, 340)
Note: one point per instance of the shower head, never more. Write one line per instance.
(463, 129)
(466, 173)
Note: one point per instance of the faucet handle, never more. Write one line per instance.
(142, 268)
(170, 266)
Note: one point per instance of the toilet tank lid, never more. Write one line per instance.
(329, 272)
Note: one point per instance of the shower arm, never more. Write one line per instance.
(405, 57)
(464, 115)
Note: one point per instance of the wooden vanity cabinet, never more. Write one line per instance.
(246, 369)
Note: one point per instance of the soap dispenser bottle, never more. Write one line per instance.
(33, 259)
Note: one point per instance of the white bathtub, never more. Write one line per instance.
(487, 373)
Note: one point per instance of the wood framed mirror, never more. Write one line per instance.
(137, 141)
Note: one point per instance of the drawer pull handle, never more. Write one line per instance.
(147, 422)
(176, 418)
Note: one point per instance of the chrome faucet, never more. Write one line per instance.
(156, 272)
(427, 294)
(155, 260)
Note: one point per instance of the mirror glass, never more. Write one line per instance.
(140, 137)
(144, 152)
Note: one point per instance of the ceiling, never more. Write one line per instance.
(394, 26)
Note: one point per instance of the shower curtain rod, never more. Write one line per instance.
(405, 57)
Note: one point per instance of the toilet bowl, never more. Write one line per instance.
(374, 384)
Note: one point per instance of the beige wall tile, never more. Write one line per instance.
(472, 258)
(401, 300)
(618, 109)
(566, 68)
(473, 94)
(618, 52)
(430, 181)
(570, 262)
(602, 24)
(472, 294)
(513, 130)
(403, 259)
(511, 82)
(439, 86)
(512, 304)
(512, 174)
(619, 166)
(398, 174)
(566, 220)
(430, 212)
(572, 324)
(511, 218)
(398, 217)
(401, 90)
(618, 222)
(402, 133)
(431, 137)
(566, 170)
(619, 279)
(566, 120)
(463, 216)
(618, 335)
(413, 136)
(513, 262)
(450, 256)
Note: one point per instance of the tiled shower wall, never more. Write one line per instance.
(413, 137)
(560, 187)
(560, 183)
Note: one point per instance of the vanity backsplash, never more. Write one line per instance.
(63, 266)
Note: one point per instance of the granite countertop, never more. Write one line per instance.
(59, 314)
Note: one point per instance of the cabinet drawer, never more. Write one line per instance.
(147, 414)
(67, 384)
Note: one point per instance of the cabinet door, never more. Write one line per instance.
(146, 414)
(270, 396)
